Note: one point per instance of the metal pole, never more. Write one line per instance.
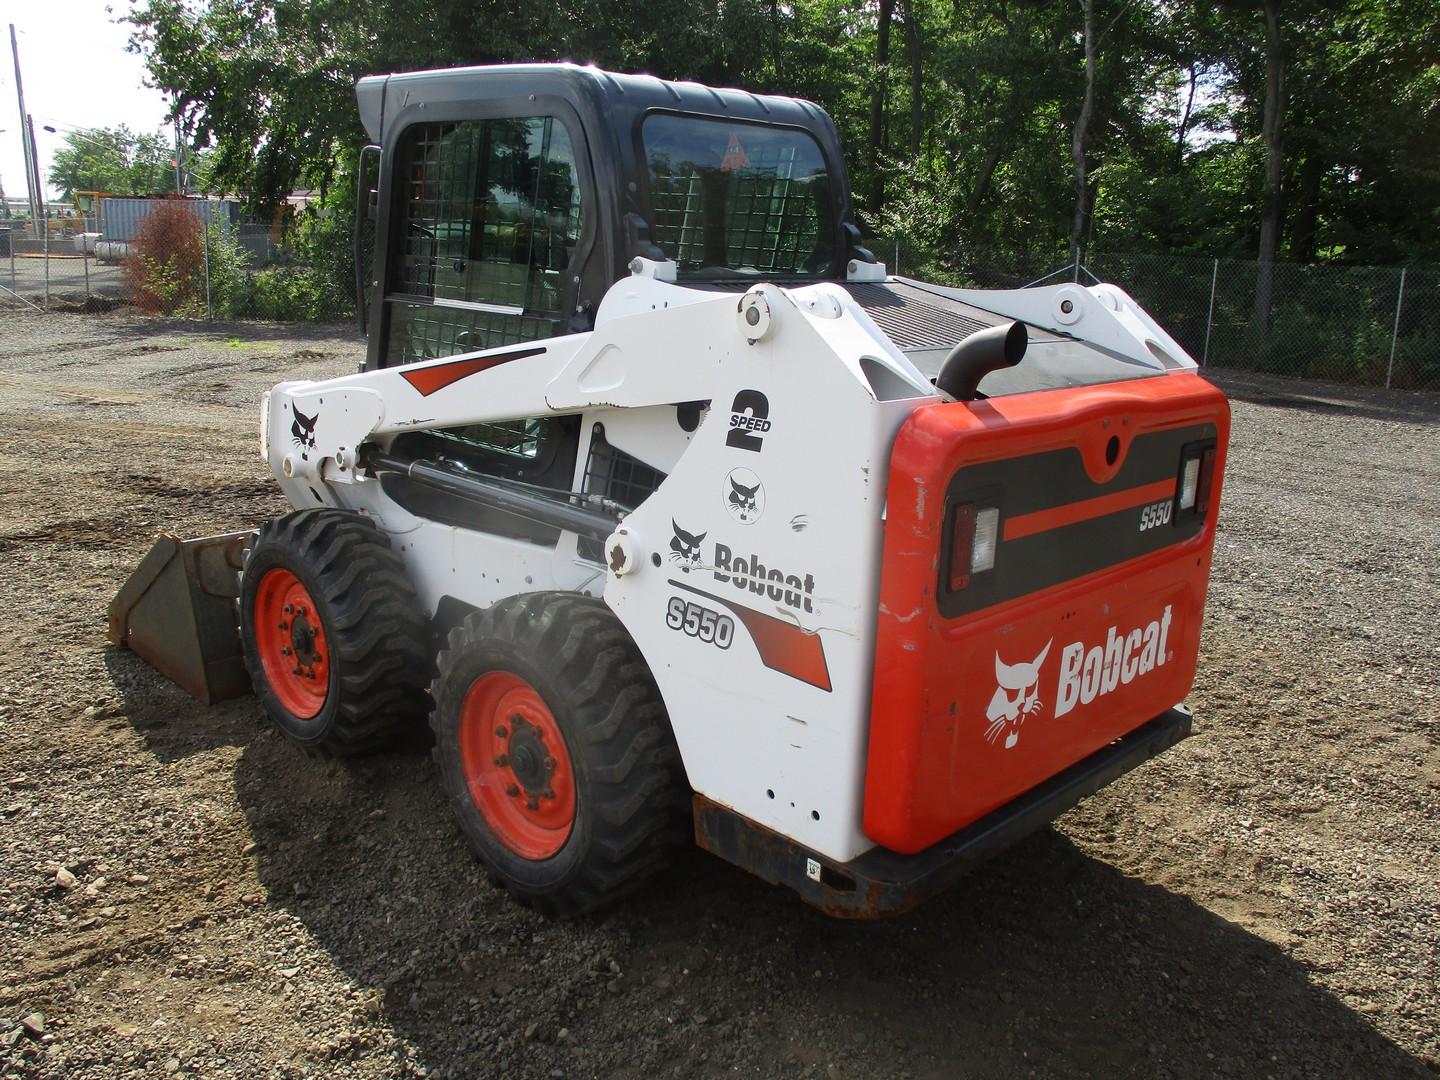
(1395, 333)
(46, 224)
(209, 311)
(85, 261)
(1210, 316)
(179, 183)
(895, 271)
(35, 166)
(26, 134)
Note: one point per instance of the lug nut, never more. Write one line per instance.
(502, 761)
(285, 651)
(501, 732)
(548, 793)
(284, 625)
(512, 790)
(549, 764)
(532, 803)
(289, 609)
(296, 671)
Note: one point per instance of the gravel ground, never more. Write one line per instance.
(183, 892)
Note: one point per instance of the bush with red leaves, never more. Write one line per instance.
(165, 272)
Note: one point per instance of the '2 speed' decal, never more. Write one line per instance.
(749, 420)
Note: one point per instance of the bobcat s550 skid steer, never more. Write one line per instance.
(675, 513)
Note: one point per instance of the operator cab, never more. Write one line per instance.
(512, 197)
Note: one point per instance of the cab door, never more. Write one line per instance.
(487, 224)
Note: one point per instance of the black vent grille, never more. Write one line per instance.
(913, 323)
(611, 472)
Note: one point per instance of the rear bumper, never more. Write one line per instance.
(880, 882)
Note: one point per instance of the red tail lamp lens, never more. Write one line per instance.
(962, 540)
(1207, 477)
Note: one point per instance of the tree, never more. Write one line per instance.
(1000, 131)
(116, 160)
(1272, 132)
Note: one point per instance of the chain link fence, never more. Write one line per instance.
(182, 263)
(1376, 326)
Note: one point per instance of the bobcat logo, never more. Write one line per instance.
(744, 496)
(1006, 711)
(303, 430)
(685, 547)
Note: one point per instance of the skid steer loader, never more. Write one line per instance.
(678, 516)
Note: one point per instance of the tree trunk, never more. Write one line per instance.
(915, 46)
(776, 36)
(1185, 121)
(1080, 138)
(877, 107)
(1307, 213)
(982, 178)
(1272, 132)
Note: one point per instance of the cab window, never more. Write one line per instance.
(731, 199)
(488, 215)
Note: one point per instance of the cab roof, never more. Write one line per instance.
(613, 92)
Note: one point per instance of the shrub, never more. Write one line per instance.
(307, 286)
(165, 272)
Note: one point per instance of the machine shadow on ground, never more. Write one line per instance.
(1044, 959)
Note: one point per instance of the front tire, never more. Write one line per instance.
(556, 752)
(333, 638)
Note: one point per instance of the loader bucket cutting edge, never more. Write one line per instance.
(177, 612)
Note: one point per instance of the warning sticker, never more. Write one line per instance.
(735, 156)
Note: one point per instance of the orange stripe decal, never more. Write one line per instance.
(430, 379)
(782, 645)
(1057, 517)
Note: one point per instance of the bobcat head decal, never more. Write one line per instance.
(302, 430)
(685, 547)
(1008, 709)
(744, 496)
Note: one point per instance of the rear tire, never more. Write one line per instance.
(334, 641)
(556, 752)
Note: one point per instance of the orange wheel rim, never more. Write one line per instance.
(516, 765)
(291, 643)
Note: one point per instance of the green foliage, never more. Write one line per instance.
(115, 160)
(312, 284)
(978, 101)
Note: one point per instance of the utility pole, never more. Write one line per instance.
(179, 166)
(35, 167)
(27, 137)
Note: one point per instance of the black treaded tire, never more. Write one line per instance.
(631, 800)
(377, 643)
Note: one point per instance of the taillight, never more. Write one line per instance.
(1197, 474)
(974, 533)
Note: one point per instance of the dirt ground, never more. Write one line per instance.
(183, 892)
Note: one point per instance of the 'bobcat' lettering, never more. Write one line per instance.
(1086, 675)
(748, 573)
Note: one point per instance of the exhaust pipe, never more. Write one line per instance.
(978, 355)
